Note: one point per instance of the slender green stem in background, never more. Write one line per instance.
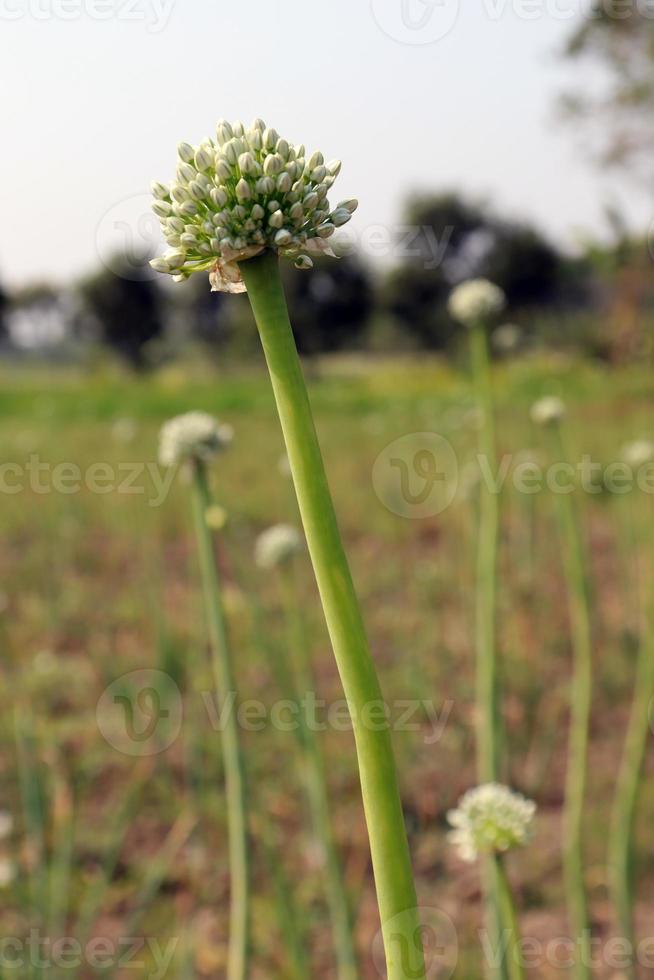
(515, 967)
(488, 715)
(488, 735)
(621, 845)
(580, 706)
(235, 791)
(379, 784)
(316, 785)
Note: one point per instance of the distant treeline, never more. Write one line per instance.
(601, 300)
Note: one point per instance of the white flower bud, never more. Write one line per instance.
(270, 137)
(297, 212)
(179, 193)
(185, 152)
(255, 139)
(196, 190)
(203, 158)
(238, 128)
(159, 190)
(175, 258)
(223, 132)
(247, 163)
(175, 224)
(223, 170)
(303, 262)
(316, 160)
(188, 208)
(258, 212)
(340, 216)
(162, 208)
(282, 148)
(159, 265)
(310, 201)
(318, 174)
(243, 191)
(265, 186)
(350, 205)
(283, 237)
(325, 230)
(334, 167)
(186, 172)
(218, 196)
(284, 183)
(274, 205)
(258, 124)
(272, 165)
(276, 220)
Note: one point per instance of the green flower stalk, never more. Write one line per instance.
(265, 198)
(192, 440)
(476, 304)
(621, 844)
(275, 549)
(550, 413)
(489, 821)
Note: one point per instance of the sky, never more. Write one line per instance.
(410, 94)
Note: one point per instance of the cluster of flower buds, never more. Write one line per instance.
(277, 545)
(476, 301)
(490, 819)
(245, 191)
(194, 435)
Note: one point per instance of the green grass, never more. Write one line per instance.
(96, 585)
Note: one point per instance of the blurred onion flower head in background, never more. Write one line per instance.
(507, 338)
(548, 410)
(194, 435)
(245, 191)
(277, 545)
(475, 301)
(638, 453)
(490, 818)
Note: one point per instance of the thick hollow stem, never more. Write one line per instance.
(379, 784)
(580, 706)
(235, 790)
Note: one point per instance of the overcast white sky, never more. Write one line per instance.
(409, 94)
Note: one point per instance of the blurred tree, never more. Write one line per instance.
(40, 315)
(617, 36)
(330, 305)
(122, 311)
(446, 239)
(4, 307)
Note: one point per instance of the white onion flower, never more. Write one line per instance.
(490, 819)
(245, 191)
(277, 545)
(194, 435)
(548, 410)
(476, 301)
(638, 453)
